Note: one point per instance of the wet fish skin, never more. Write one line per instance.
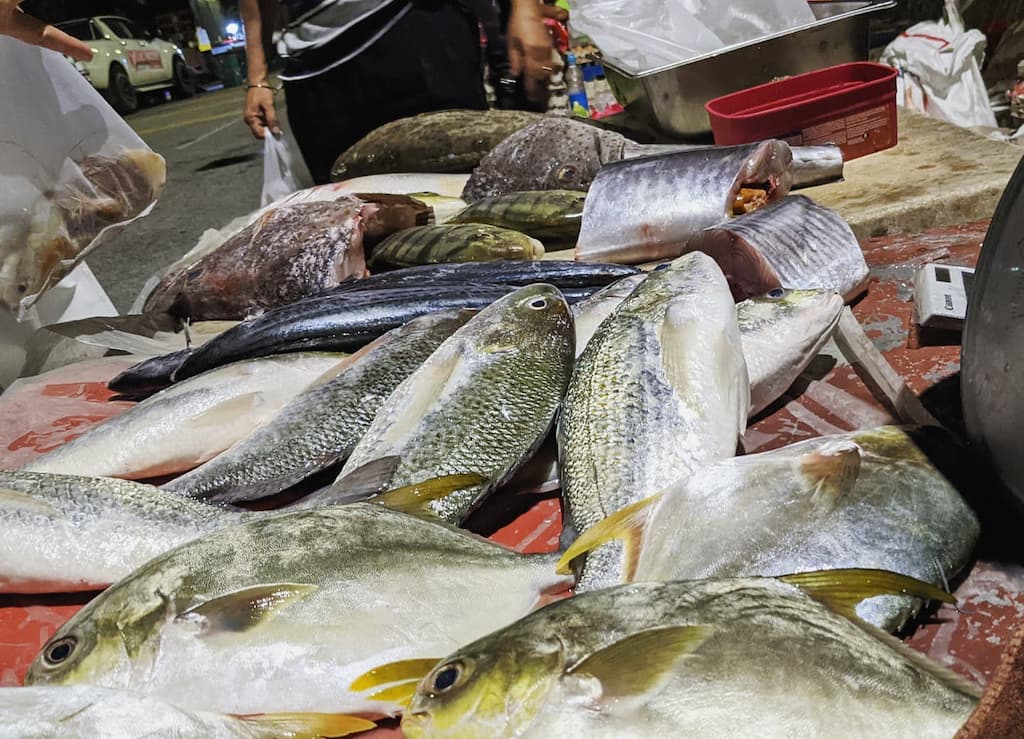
(482, 402)
(66, 533)
(862, 499)
(792, 243)
(321, 425)
(281, 613)
(186, 424)
(650, 208)
(551, 216)
(660, 389)
(460, 242)
(590, 313)
(288, 253)
(150, 375)
(564, 669)
(443, 141)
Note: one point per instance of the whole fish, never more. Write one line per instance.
(150, 375)
(185, 425)
(288, 253)
(551, 216)
(442, 141)
(462, 242)
(588, 314)
(792, 243)
(281, 613)
(321, 425)
(646, 209)
(867, 499)
(482, 402)
(750, 657)
(565, 154)
(660, 390)
(84, 712)
(64, 533)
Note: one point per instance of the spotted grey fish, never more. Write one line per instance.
(65, 533)
(640, 210)
(289, 252)
(321, 425)
(793, 243)
(551, 216)
(868, 499)
(660, 390)
(565, 154)
(442, 141)
(482, 402)
(459, 242)
(745, 657)
(281, 613)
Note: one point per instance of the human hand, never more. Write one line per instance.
(529, 46)
(14, 22)
(259, 113)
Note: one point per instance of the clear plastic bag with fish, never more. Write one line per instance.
(70, 169)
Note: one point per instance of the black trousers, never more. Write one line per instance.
(429, 60)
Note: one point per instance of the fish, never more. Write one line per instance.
(792, 243)
(185, 425)
(550, 216)
(322, 424)
(65, 533)
(482, 402)
(660, 390)
(288, 253)
(781, 333)
(641, 210)
(565, 154)
(867, 499)
(442, 141)
(462, 242)
(560, 273)
(590, 313)
(736, 657)
(86, 712)
(283, 612)
(150, 375)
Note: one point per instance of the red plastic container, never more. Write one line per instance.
(850, 105)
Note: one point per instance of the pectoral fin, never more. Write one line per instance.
(635, 664)
(394, 672)
(246, 608)
(307, 725)
(225, 411)
(26, 502)
(626, 524)
(841, 590)
(832, 472)
(361, 483)
(416, 498)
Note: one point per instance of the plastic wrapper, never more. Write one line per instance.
(70, 168)
(647, 34)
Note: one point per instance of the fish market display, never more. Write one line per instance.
(288, 253)
(189, 423)
(590, 313)
(283, 612)
(660, 390)
(463, 242)
(551, 216)
(866, 499)
(645, 209)
(793, 243)
(709, 658)
(480, 404)
(84, 712)
(321, 425)
(67, 532)
(565, 154)
(442, 141)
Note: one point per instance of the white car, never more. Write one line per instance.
(125, 61)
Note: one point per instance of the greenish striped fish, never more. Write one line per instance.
(463, 242)
(552, 216)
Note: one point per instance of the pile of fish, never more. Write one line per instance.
(285, 522)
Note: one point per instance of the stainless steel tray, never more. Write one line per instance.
(671, 99)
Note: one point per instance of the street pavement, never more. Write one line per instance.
(214, 174)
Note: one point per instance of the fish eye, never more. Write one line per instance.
(566, 174)
(777, 293)
(538, 303)
(446, 677)
(59, 651)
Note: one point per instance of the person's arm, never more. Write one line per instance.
(529, 45)
(259, 113)
(14, 22)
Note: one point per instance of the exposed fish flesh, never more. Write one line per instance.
(463, 242)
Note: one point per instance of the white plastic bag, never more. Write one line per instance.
(940, 71)
(70, 168)
(280, 170)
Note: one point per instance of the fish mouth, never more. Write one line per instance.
(766, 176)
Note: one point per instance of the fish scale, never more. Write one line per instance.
(460, 242)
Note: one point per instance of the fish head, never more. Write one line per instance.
(481, 689)
(534, 320)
